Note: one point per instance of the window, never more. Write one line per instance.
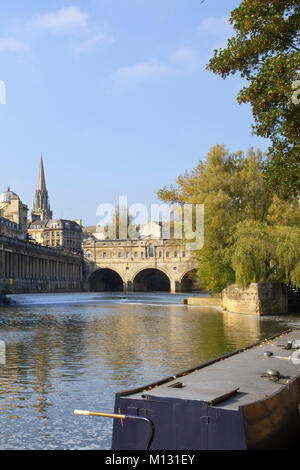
(104, 255)
(160, 254)
(120, 254)
(175, 254)
(151, 251)
(127, 254)
(183, 254)
(142, 254)
(167, 254)
(135, 254)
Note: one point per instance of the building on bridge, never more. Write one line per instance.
(145, 264)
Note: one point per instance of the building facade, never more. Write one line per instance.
(57, 233)
(27, 267)
(12, 208)
(10, 229)
(139, 265)
(46, 231)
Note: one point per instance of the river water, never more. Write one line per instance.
(75, 351)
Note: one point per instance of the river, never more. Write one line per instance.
(75, 351)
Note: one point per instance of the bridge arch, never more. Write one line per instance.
(151, 280)
(105, 280)
(188, 281)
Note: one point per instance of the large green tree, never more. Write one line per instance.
(262, 253)
(246, 230)
(266, 52)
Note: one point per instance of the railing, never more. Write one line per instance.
(123, 417)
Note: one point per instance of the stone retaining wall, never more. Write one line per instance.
(267, 298)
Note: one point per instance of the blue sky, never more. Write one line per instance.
(116, 96)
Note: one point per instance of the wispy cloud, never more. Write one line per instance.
(63, 20)
(71, 22)
(12, 45)
(92, 42)
(152, 69)
(177, 62)
(184, 56)
(215, 26)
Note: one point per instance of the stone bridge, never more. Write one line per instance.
(138, 265)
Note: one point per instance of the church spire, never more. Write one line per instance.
(41, 207)
(42, 181)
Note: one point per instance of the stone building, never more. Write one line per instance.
(57, 233)
(28, 267)
(45, 230)
(12, 209)
(10, 229)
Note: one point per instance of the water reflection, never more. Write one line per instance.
(68, 351)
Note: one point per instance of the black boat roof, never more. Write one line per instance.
(233, 380)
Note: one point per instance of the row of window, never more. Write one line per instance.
(65, 243)
(136, 254)
(53, 234)
(53, 243)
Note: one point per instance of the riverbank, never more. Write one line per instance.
(267, 298)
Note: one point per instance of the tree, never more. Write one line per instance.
(265, 51)
(241, 220)
(262, 253)
(253, 257)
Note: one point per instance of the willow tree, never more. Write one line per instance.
(266, 52)
(240, 218)
(253, 253)
(262, 253)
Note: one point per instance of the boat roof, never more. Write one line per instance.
(235, 379)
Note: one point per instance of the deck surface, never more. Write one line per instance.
(243, 370)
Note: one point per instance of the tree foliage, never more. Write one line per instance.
(250, 236)
(265, 51)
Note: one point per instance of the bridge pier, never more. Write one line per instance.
(173, 285)
(128, 286)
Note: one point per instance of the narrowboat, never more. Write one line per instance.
(245, 400)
